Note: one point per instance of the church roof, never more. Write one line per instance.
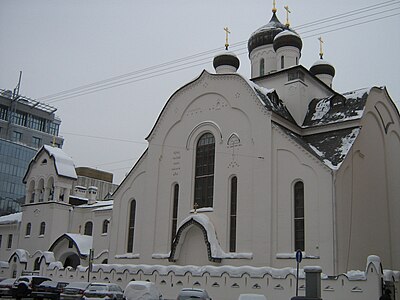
(83, 243)
(11, 219)
(63, 163)
(336, 108)
(329, 147)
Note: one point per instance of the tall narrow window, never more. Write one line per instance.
(233, 215)
(204, 177)
(282, 62)
(262, 66)
(131, 224)
(42, 229)
(9, 242)
(1, 238)
(28, 229)
(175, 212)
(88, 228)
(105, 226)
(299, 235)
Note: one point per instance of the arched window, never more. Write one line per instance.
(299, 235)
(262, 66)
(204, 176)
(282, 62)
(131, 226)
(42, 228)
(88, 228)
(105, 226)
(36, 265)
(233, 215)
(175, 212)
(28, 229)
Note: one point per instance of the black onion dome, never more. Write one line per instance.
(287, 38)
(322, 67)
(226, 59)
(265, 35)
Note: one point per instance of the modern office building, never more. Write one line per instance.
(25, 125)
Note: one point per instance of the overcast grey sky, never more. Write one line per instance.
(61, 45)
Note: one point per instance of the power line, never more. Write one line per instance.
(180, 64)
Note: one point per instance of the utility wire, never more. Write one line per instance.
(148, 72)
(185, 66)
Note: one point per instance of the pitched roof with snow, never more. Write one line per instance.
(11, 219)
(83, 243)
(63, 163)
(336, 108)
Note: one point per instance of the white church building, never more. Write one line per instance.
(238, 175)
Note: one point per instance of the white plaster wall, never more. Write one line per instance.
(267, 52)
(291, 163)
(368, 189)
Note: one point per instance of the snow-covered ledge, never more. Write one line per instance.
(127, 255)
(292, 255)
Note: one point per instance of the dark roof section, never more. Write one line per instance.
(336, 108)
(287, 38)
(273, 103)
(322, 68)
(265, 35)
(226, 59)
(332, 147)
(329, 147)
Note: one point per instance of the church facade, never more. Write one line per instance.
(271, 165)
(239, 174)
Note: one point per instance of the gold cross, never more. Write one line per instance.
(226, 37)
(274, 6)
(287, 15)
(195, 207)
(321, 53)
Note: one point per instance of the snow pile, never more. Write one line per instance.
(64, 164)
(11, 219)
(83, 242)
(321, 109)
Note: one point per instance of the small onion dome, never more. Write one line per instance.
(322, 67)
(287, 38)
(226, 62)
(265, 35)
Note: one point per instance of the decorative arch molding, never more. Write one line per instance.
(196, 220)
(195, 131)
(84, 242)
(21, 255)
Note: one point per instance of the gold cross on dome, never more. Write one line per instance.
(274, 6)
(321, 52)
(227, 32)
(287, 15)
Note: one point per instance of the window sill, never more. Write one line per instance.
(41, 236)
(292, 255)
(27, 236)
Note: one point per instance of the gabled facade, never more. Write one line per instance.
(270, 166)
(60, 221)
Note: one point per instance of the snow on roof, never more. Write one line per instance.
(22, 255)
(321, 62)
(270, 99)
(4, 264)
(97, 204)
(108, 207)
(286, 32)
(64, 164)
(336, 108)
(83, 242)
(11, 219)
